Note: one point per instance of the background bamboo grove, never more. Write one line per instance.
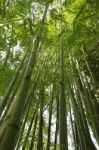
(49, 75)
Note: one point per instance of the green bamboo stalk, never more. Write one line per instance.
(75, 136)
(30, 127)
(77, 119)
(57, 121)
(93, 99)
(90, 72)
(50, 120)
(90, 109)
(84, 118)
(34, 132)
(11, 97)
(62, 103)
(11, 128)
(11, 85)
(29, 99)
(40, 130)
(81, 121)
(78, 144)
(79, 139)
(22, 127)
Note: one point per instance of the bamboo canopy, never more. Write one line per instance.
(49, 68)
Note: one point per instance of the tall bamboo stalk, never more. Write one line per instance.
(10, 127)
(81, 121)
(50, 120)
(57, 121)
(11, 85)
(30, 127)
(40, 130)
(34, 132)
(62, 102)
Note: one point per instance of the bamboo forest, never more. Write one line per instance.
(49, 74)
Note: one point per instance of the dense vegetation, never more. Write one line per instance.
(49, 68)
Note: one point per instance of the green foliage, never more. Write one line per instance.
(76, 20)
